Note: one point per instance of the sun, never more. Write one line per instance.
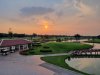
(45, 24)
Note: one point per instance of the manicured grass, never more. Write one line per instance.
(60, 61)
(59, 47)
(94, 41)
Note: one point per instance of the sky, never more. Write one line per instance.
(65, 17)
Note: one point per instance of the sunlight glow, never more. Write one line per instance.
(45, 24)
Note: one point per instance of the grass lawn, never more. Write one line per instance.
(58, 47)
(94, 41)
(60, 61)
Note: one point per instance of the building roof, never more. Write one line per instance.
(14, 42)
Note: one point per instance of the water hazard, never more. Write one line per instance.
(87, 65)
(90, 64)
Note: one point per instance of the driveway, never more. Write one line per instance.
(15, 64)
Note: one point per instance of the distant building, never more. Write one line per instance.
(14, 44)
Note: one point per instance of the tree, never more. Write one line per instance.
(77, 37)
(58, 40)
(66, 39)
(2, 35)
(93, 39)
(19, 35)
(34, 35)
(98, 36)
(10, 34)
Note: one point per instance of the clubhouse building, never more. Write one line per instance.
(14, 45)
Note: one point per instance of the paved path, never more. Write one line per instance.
(58, 70)
(54, 54)
(15, 64)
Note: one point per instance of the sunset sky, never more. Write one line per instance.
(50, 16)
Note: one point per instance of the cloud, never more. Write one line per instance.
(62, 8)
(29, 11)
(84, 9)
(80, 8)
(60, 13)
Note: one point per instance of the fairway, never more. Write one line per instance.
(94, 41)
(58, 47)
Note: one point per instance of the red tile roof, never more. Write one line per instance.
(5, 43)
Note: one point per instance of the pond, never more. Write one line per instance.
(87, 65)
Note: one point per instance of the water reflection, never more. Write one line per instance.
(89, 64)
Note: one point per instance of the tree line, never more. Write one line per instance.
(5, 35)
(76, 36)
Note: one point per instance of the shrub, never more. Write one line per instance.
(46, 47)
(23, 52)
(31, 51)
(45, 50)
(37, 44)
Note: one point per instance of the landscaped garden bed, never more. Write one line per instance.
(57, 47)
